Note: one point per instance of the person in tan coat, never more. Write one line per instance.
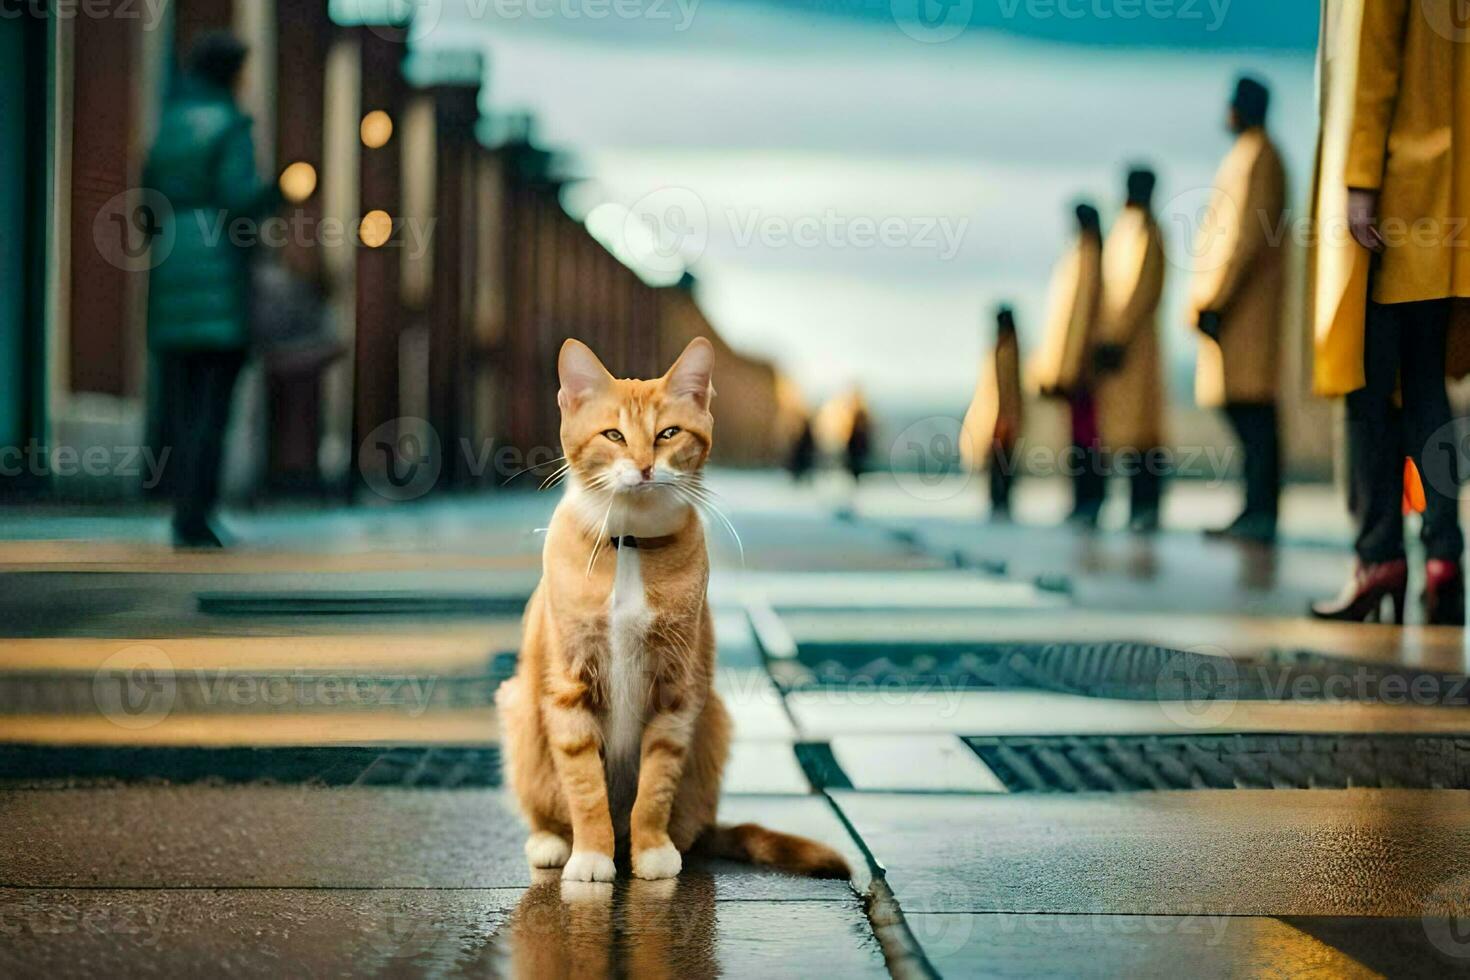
(1127, 362)
(1393, 166)
(992, 428)
(1240, 276)
(1063, 368)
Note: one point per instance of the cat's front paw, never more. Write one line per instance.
(547, 850)
(589, 866)
(654, 863)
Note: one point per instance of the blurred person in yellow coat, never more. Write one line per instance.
(1063, 366)
(1236, 297)
(991, 433)
(1127, 362)
(1390, 266)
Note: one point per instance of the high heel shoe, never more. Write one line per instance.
(1444, 593)
(1362, 598)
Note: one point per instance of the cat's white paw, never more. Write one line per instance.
(589, 866)
(658, 862)
(547, 850)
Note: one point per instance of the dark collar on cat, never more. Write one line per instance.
(645, 544)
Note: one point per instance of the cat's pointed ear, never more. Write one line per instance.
(691, 373)
(581, 373)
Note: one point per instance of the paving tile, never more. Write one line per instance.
(894, 709)
(305, 837)
(913, 763)
(754, 703)
(764, 766)
(920, 589)
(1245, 852)
(1028, 945)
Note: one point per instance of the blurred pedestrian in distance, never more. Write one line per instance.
(1063, 368)
(992, 428)
(203, 163)
(859, 438)
(1126, 360)
(803, 457)
(1389, 310)
(1240, 274)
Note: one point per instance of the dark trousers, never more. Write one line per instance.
(1257, 429)
(205, 383)
(1089, 480)
(1403, 349)
(1002, 477)
(1145, 472)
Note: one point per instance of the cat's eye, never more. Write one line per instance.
(668, 433)
(613, 434)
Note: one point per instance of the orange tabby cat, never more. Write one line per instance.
(614, 738)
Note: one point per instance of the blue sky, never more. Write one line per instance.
(868, 180)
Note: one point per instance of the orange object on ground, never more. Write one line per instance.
(1413, 489)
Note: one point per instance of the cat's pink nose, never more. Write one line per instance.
(647, 473)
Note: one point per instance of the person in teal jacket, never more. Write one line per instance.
(203, 166)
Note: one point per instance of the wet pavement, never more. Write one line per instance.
(1044, 752)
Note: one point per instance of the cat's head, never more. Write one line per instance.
(633, 437)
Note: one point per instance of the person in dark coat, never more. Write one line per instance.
(803, 456)
(203, 165)
(859, 441)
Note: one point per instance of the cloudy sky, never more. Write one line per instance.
(856, 185)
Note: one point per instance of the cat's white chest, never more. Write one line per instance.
(628, 679)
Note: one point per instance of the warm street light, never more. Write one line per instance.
(375, 228)
(376, 129)
(298, 181)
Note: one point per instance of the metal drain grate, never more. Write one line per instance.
(1128, 671)
(1081, 764)
(37, 766)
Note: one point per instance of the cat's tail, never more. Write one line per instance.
(754, 844)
